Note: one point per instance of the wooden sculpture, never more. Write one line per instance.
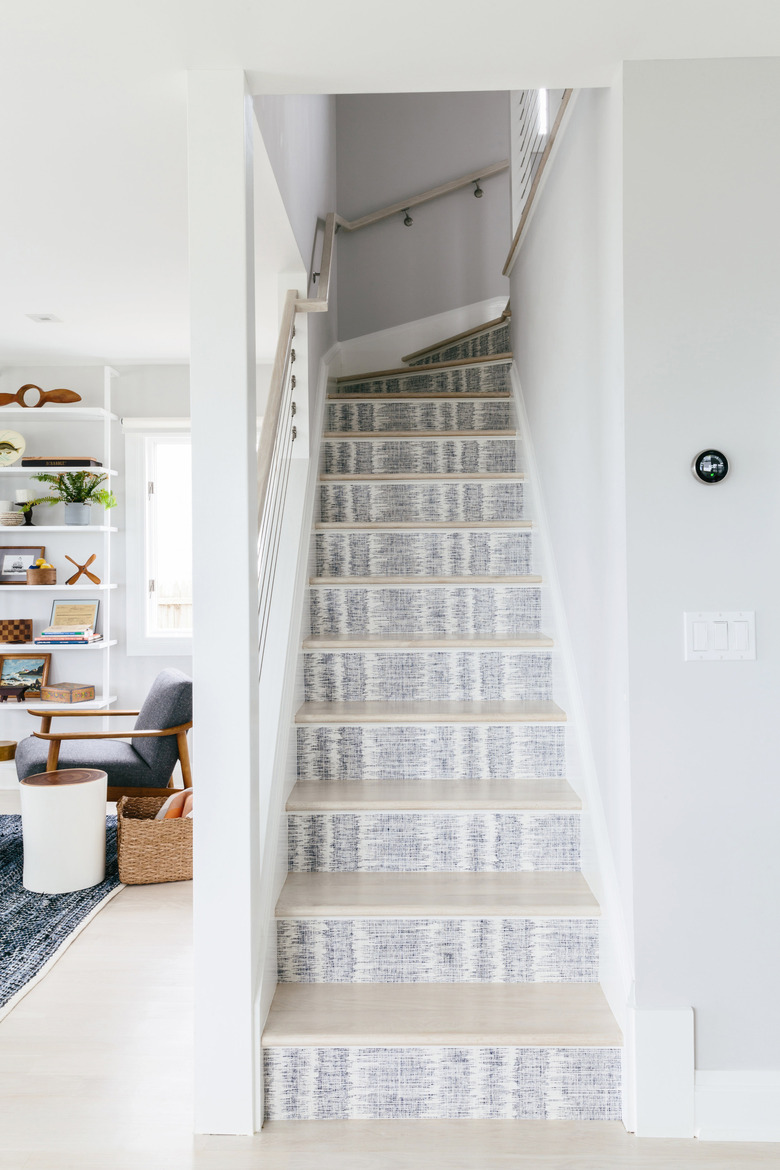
(60, 395)
(82, 569)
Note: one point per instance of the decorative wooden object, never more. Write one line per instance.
(41, 576)
(16, 630)
(60, 395)
(68, 692)
(17, 693)
(82, 569)
(7, 749)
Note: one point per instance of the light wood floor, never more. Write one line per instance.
(95, 1068)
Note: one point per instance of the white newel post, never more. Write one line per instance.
(222, 387)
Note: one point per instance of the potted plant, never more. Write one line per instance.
(77, 490)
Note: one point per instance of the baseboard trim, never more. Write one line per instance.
(737, 1105)
(383, 350)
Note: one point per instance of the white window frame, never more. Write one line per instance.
(141, 436)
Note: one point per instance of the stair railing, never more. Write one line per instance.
(536, 119)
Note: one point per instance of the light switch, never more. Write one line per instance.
(716, 637)
(720, 635)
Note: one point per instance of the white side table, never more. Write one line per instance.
(64, 830)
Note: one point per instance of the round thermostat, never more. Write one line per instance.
(710, 466)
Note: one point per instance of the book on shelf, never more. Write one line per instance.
(60, 461)
(67, 636)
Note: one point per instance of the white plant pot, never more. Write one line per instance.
(77, 513)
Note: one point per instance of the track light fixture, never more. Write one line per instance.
(408, 221)
(478, 192)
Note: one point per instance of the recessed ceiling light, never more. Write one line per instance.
(44, 318)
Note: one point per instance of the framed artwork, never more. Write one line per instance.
(27, 670)
(74, 613)
(16, 560)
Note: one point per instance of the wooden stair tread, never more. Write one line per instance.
(493, 359)
(504, 433)
(555, 894)
(415, 477)
(445, 711)
(526, 641)
(493, 1014)
(419, 525)
(426, 396)
(365, 796)
(405, 582)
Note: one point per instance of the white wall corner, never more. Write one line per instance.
(738, 1106)
(660, 1071)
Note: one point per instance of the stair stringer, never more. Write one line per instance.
(616, 974)
(279, 754)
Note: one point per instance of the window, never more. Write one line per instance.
(159, 537)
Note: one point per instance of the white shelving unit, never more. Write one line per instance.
(63, 439)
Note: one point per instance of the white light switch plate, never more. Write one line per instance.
(715, 637)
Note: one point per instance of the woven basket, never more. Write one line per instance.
(149, 850)
(41, 576)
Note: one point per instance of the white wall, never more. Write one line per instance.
(567, 338)
(702, 300)
(394, 145)
(299, 132)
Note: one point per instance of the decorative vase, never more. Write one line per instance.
(77, 513)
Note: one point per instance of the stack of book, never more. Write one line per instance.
(67, 636)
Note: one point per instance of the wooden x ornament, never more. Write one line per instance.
(82, 569)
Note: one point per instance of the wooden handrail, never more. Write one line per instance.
(414, 200)
(319, 304)
(537, 180)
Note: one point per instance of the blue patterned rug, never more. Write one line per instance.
(34, 927)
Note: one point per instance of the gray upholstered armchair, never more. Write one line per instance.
(138, 762)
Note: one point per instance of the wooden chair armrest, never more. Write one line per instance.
(60, 735)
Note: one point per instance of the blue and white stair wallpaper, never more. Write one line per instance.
(468, 576)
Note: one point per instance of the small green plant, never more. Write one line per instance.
(75, 487)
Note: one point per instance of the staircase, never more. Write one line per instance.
(438, 947)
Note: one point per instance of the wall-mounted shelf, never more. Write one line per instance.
(36, 705)
(53, 588)
(11, 647)
(60, 413)
(31, 529)
(31, 472)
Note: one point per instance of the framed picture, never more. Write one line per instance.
(30, 670)
(74, 613)
(15, 561)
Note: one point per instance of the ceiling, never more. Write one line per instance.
(93, 133)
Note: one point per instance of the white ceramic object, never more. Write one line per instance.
(12, 447)
(6, 506)
(64, 830)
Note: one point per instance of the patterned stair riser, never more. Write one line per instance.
(438, 950)
(476, 379)
(417, 456)
(561, 1084)
(407, 415)
(424, 553)
(426, 675)
(421, 842)
(421, 500)
(481, 345)
(429, 609)
(430, 752)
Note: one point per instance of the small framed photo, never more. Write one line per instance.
(27, 670)
(74, 613)
(15, 561)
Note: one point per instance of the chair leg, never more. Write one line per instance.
(184, 758)
(53, 758)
